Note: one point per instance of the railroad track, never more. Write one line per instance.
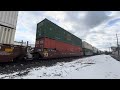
(7, 68)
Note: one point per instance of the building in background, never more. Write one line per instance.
(8, 22)
(115, 51)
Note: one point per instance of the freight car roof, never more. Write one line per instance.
(58, 26)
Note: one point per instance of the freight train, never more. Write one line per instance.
(10, 53)
(52, 41)
(89, 50)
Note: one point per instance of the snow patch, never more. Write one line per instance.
(95, 67)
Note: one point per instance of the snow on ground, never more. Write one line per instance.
(94, 67)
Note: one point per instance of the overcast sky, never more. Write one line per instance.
(98, 28)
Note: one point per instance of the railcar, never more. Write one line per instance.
(87, 49)
(52, 41)
(10, 53)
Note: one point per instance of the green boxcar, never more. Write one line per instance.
(48, 29)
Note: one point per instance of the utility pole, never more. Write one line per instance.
(22, 43)
(110, 47)
(117, 44)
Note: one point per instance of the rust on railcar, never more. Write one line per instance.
(8, 53)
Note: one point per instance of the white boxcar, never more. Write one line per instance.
(95, 50)
(87, 45)
(8, 21)
(87, 48)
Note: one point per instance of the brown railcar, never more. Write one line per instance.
(9, 53)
